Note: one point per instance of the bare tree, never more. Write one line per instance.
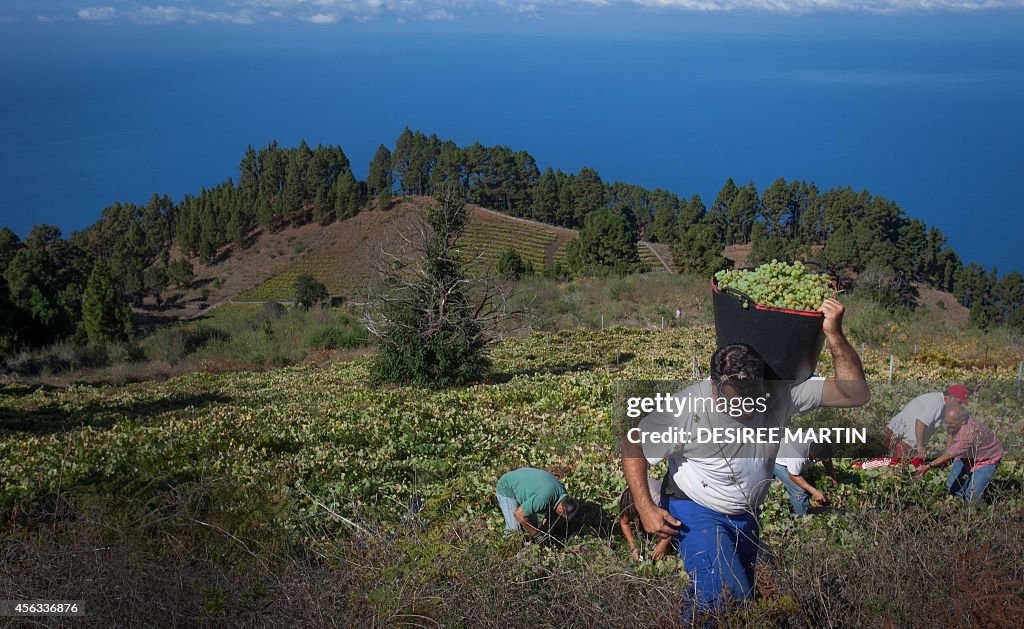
(433, 315)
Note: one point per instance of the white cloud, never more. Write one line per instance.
(321, 18)
(97, 14)
(334, 11)
(800, 7)
(439, 15)
(160, 14)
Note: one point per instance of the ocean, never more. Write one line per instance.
(92, 114)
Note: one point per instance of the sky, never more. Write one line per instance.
(917, 101)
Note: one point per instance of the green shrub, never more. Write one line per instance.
(344, 333)
(271, 310)
(511, 265)
(619, 288)
(449, 356)
(886, 288)
(309, 292)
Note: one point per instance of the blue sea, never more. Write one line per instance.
(923, 110)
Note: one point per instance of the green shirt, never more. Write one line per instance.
(535, 490)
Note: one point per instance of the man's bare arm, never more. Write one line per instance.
(802, 483)
(847, 388)
(919, 430)
(634, 466)
(525, 521)
(627, 531)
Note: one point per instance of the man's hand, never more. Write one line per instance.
(635, 555)
(540, 538)
(921, 469)
(833, 310)
(819, 498)
(659, 522)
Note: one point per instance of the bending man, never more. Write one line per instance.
(527, 493)
(975, 451)
(909, 432)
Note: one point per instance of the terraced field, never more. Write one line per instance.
(486, 240)
(650, 261)
(348, 268)
(345, 267)
(326, 266)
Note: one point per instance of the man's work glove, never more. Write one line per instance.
(540, 538)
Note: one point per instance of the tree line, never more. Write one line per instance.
(142, 251)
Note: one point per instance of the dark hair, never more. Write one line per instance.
(737, 363)
(820, 450)
(627, 506)
(570, 507)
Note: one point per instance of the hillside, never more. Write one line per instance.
(291, 485)
(344, 254)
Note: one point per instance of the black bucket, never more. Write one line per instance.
(789, 341)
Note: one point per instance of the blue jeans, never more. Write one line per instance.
(798, 498)
(718, 552)
(508, 509)
(970, 484)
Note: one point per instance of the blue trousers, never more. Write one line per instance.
(718, 552)
(799, 499)
(970, 484)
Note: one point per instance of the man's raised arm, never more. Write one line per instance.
(847, 388)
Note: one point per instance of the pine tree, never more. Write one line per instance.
(699, 250)
(428, 330)
(587, 193)
(448, 169)
(105, 316)
(346, 196)
(721, 209)
(379, 177)
(694, 212)
(664, 227)
(402, 159)
(545, 195)
(605, 244)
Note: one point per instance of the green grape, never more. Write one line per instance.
(780, 285)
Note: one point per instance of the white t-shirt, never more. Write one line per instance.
(793, 465)
(736, 477)
(928, 408)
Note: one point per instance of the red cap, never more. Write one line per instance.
(960, 392)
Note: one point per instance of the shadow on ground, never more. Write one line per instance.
(53, 418)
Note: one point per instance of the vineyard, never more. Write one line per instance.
(311, 456)
(485, 241)
(333, 271)
(650, 260)
(487, 237)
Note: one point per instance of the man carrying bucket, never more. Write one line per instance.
(714, 497)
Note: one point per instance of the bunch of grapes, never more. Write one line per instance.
(779, 284)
